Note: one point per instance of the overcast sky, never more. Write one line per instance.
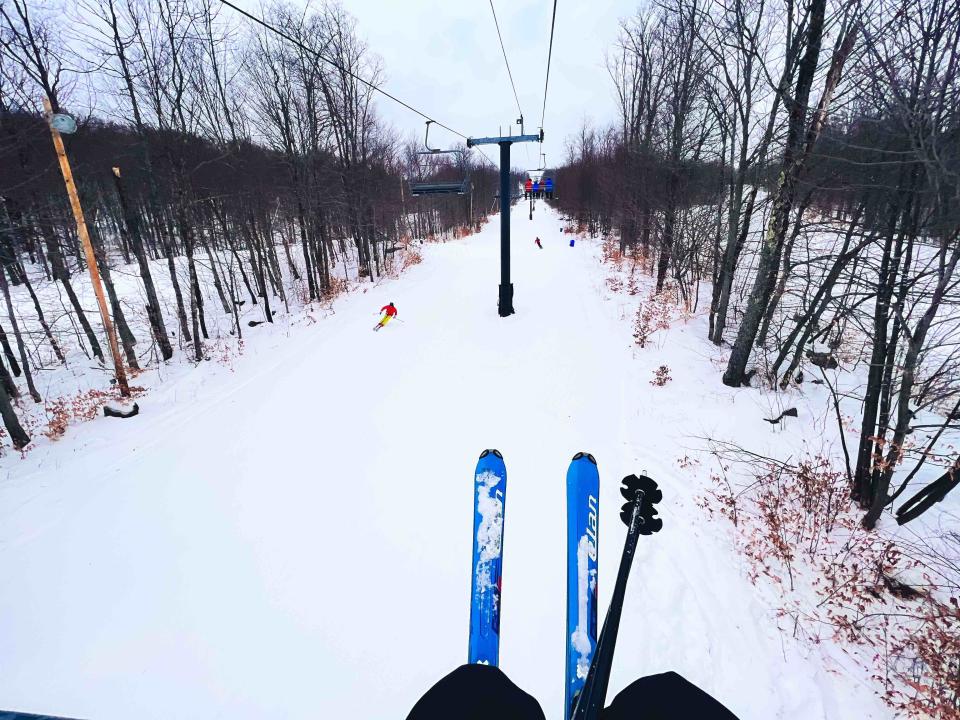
(443, 57)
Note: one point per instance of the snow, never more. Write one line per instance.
(586, 580)
(490, 531)
(290, 536)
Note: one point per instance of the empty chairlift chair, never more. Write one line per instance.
(433, 187)
(457, 187)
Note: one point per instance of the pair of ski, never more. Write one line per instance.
(588, 660)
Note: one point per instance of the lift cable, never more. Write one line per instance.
(507, 62)
(509, 73)
(546, 83)
(344, 70)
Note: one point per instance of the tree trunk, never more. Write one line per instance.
(40, 316)
(8, 351)
(18, 435)
(260, 272)
(9, 385)
(915, 346)
(731, 255)
(817, 305)
(196, 304)
(24, 359)
(127, 338)
(308, 265)
(154, 315)
(172, 268)
(60, 274)
(791, 169)
(784, 274)
(217, 283)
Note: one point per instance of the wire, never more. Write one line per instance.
(342, 69)
(546, 83)
(509, 73)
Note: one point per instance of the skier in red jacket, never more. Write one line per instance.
(389, 311)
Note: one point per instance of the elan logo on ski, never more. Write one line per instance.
(583, 529)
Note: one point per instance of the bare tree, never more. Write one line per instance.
(801, 138)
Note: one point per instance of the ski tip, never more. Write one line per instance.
(491, 450)
(588, 456)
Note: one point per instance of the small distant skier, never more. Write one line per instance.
(389, 311)
(538, 244)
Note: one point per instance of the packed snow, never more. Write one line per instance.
(490, 531)
(289, 536)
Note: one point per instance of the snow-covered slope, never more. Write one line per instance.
(291, 537)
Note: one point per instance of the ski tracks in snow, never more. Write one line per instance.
(295, 539)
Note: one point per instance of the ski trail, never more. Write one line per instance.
(292, 537)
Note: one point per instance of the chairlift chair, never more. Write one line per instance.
(457, 187)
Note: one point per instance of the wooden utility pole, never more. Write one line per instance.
(88, 251)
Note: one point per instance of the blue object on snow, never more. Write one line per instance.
(489, 505)
(571, 242)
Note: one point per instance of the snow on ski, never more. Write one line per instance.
(489, 502)
(583, 523)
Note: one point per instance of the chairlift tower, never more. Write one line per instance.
(505, 302)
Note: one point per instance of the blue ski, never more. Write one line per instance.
(489, 503)
(583, 524)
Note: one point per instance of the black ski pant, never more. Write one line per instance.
(482, 692)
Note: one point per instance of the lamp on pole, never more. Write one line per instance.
(61, 123)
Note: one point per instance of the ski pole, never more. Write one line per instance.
(638, 514)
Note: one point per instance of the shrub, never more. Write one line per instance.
(799, 530)
(63, 411)
(656, 313)
(411, 257)
(661, 376)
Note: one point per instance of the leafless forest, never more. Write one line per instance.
(803, 158)
(209, 150)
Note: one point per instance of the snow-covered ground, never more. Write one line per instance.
(290, 536)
